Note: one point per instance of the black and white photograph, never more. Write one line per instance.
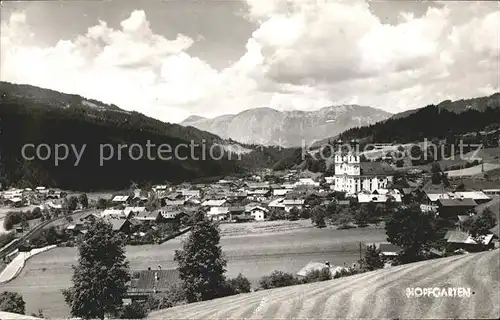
(249, 159)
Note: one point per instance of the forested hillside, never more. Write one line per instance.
(31, 115)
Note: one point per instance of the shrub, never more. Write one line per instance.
(135, 310)
(12, 302)
(237, 285)
(346, 272)
(174, 295)
(278, 279)
(317, 275)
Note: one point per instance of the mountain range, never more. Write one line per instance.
(268, 126)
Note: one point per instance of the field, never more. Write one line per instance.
(472, 171)
(254, 255)
(377, 294)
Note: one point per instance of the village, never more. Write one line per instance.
(359, 195)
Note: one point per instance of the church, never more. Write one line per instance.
(353, 176)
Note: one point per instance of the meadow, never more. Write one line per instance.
(379, 294)
(254, 255)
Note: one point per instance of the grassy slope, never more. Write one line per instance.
(378, 294)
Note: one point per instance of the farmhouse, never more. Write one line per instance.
(292, 203)
(387, 249)
(119, 224)
(116, 213)
(462, 240)
(121, 199)
(257, 212)
(451, 208)
(144, 283)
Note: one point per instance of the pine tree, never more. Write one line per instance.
(201, 263)
(372, 259)
(100, 278)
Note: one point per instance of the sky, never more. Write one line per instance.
(171, 59)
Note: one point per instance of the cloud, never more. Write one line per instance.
(302, 55)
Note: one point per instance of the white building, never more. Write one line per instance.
(257, 212)
(352, 176)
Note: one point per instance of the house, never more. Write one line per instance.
(257, 212)
(12, 193)
(76, 229)
(119, 224)
(121, 199)
(190, 193)
(451, 208)
(478, 196)
(277, 204)
(144, 283)
(387, 249)
(280, 192)
(129, 212)
(169, 213)
(218, 213)
(42, 190)
(306, 182)
(378, 198)
(213, 203)
(14, 201)
(116, 213)
(462, 240)
(259, 194)
(177, 202)
(293, 203)
(239, 214)
(148, 216)
(491, 192)
(257, 185)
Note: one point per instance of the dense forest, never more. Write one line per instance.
(429, 122)
(31, 115)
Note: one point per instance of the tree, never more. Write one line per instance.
(305, 213)
(317, 275)
(436, 173)
(479, 226)
(84, 200)
(238, 285)
(318, 216)
(278, 279)
(372, 259)
(400, 163)
(100, 278)
(331, 208)
(293, 214)
(276, 214)
(71, 203)
(173, 295)
(101, 203)
(361, 216)
(12, 302)
(135, 310)
(36, 212)
(153, 202)
(201, 264)
(412, 230)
